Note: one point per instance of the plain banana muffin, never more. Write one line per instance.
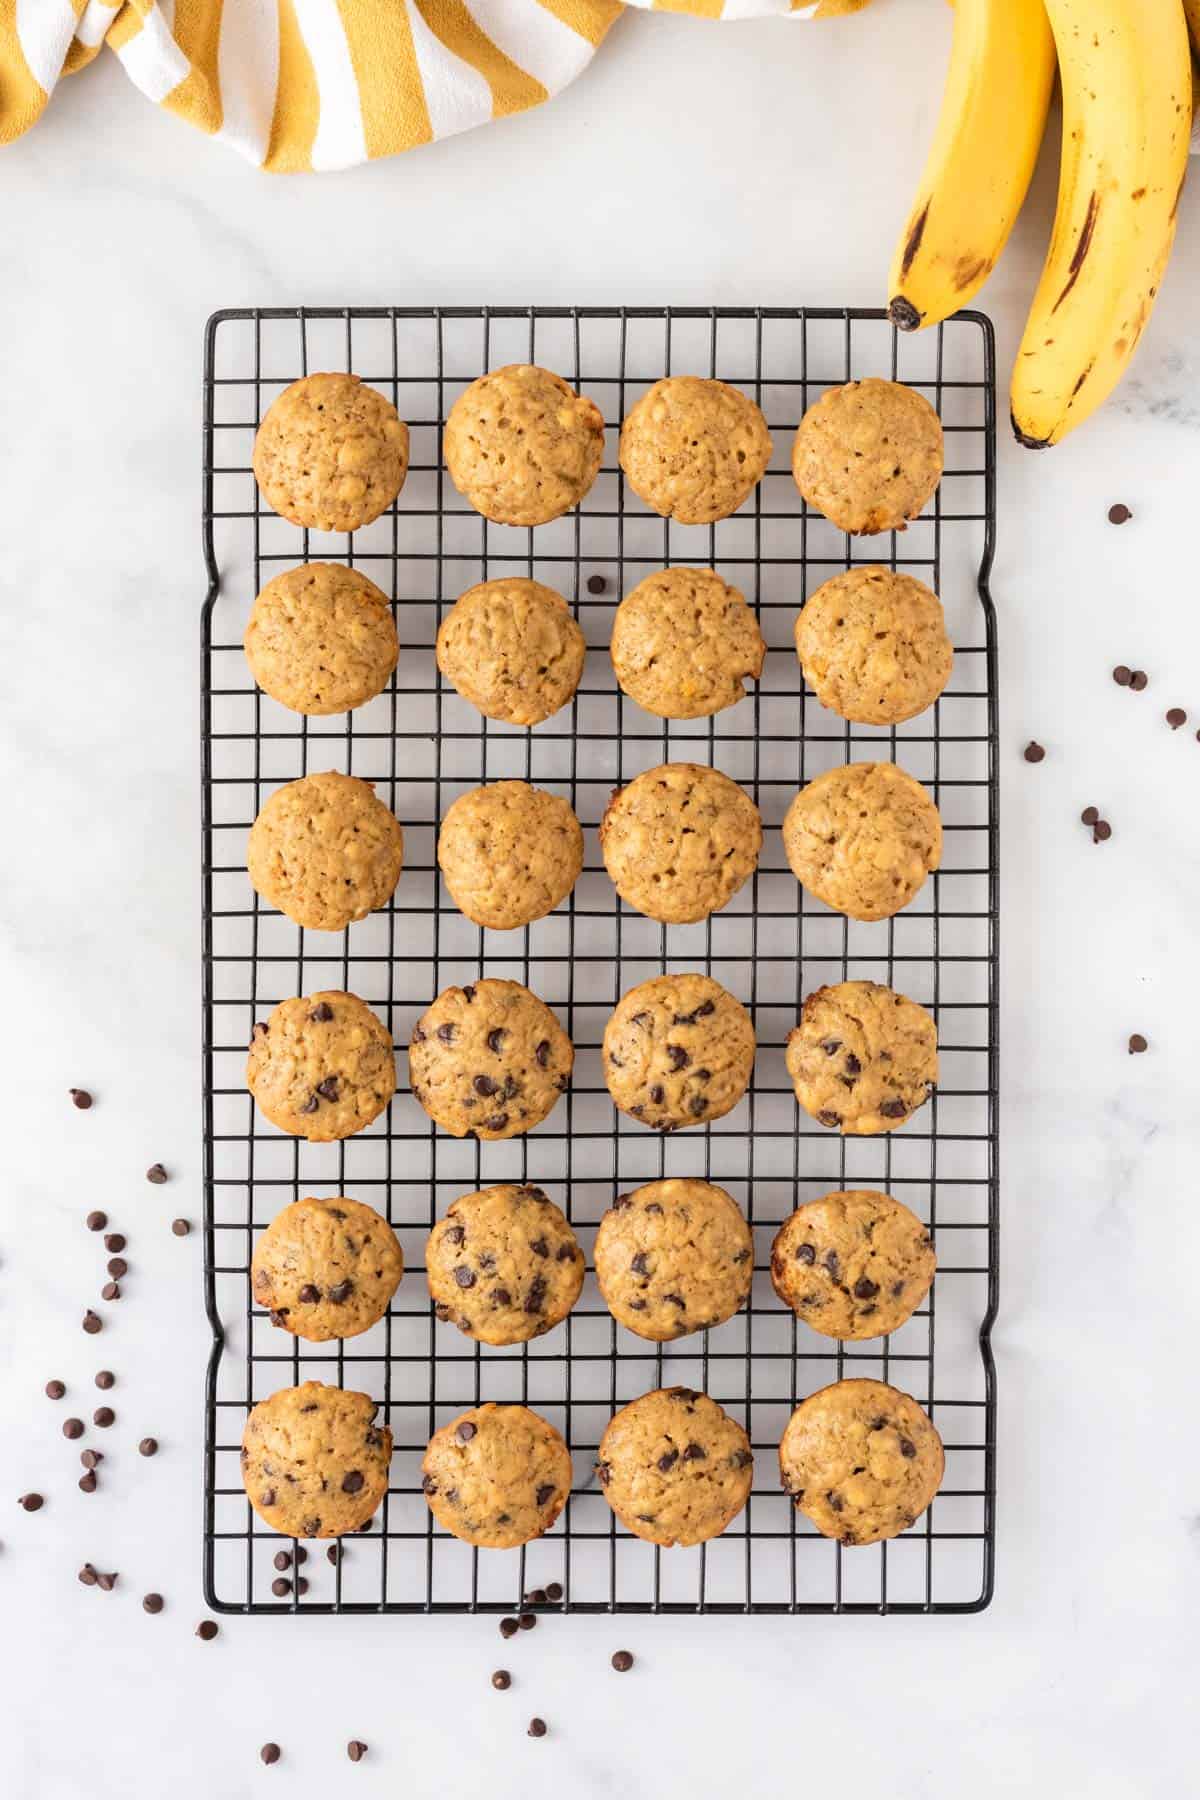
(684, 642)
(331, 453)
(863, 838)
(855, 1264)
(322, 1066)
(863, 1058)
(680, 841)
(868, 455)
(522, 445)
(512, 648)
(510, 853)
(873, 646)
(694, 449)
(862, 1460)
(321, 639)
(497, 1476)
(325, 850)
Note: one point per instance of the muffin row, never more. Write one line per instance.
(860, 1458)
(331, 454)
(491, 1060)
(672, 1257)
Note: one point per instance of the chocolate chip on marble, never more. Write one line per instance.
(1119, 514)
(55, 1389)
(180, 1227)
(110, 1291)
(1101, 831)
(622, 1661)
(156, 1174)
(92, 1323)
(1089, 815)
(508, 1628)
(88, 1483)
(117, 1267)
(87, 1575)
(1137, 1044)
(537, 1728)
(1034, 752)
(1138, 680)
(96, 1221)
(80, 1098)
(104, 1416)
(72, 1428)
(91, 1458)
(270, 1753)
(152, 1603)
(207, 1630)
(356, 1749)
(104, 1379)
(114, 1241)
(501, 1679)
(1176, 717)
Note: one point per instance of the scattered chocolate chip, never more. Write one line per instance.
(1034, 752)
(281, 1586)
(103, 1416)
(554, 1591)
(207, 1629)
(87, 1575)
(80, 1098)
(270, 1753)
(1176, 717)
(92, 1323)
(117, 1267)
(537, 1728)
(1089, 815)
(152, 1603)
(356, 1749)
(596, 584)
(104, 1378)
(55, 1389)
(106, 1583)
(31, 1502)
(1101, 831)
(110, 1291)
(115, 1240)
(156, 1173)
(72, 1428)
(508, 1628)
(622, 1661)
(88, 1483)
(501, 1679)
(301, 1555)
(1137, 1044)
(180, 1227)
(283, 1559)
(1119, 514)
(527, 1621)
(91, 1458)
(96, 1221)
(1138, 680)
(334, 1554)
(1122, 675)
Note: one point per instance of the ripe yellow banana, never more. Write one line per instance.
(1127, 113)
(980, 162)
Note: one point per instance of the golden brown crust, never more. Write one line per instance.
(694, 449)
(873, 646)
(522, 445)
(321, 639)
(331, 453)
(509, 853)
(679, 841)
(511, 647)
(863, 1057)
(868, 455)
(854, 1264)
(325, 850)
(683, 642)
(862, 1460)
(863, 838)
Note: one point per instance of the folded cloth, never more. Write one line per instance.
(325, 84)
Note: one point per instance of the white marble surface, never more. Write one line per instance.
(683, 168)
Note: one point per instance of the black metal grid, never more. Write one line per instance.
(422, 746)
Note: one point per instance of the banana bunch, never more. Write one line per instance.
(1125, 69)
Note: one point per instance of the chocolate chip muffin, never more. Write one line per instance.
(321, 639)
(326, 1268)
(863, 1058)
(694, 449)
(510, 853)
(504, 1265)
(674, 1467)
(678, 1050)
(680, 841)
(512, 648)
(522, 445)
(868, 455)
(862, 1460)
(314, 1463)
(674, 1256)
(325, 851)
(321, 1067)
(331, 453)
(489, 1060)
(863, 838)
(683, 643)
(853, 1265)
(873, 645)
(497, 1476)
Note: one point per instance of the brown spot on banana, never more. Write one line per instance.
(913, 243)
(969, 270)
(1079, 256)
(1083, 378)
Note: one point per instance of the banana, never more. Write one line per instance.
(980, 161)
(1127, 114)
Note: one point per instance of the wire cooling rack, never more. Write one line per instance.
(422, 746)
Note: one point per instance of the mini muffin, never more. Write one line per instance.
(853, 1265)
(678, 1050)
(321, 639)
(680, 841)
(873, 645)
(862, 1460)
(863, 838)
(489, 1060)
(512, 648)
(326, 1268)
(522, 445)
(674, 1467)
(321, 1067)
(694, 450)
(509, 853)
(868, 455)
(674, 1256)
(683, 643)
(863, 1058)
(325, 851)
(331, 453)
(504, 1265)
(314, 1463)
(497, 1476)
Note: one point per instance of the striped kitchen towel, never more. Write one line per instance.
(325, 84)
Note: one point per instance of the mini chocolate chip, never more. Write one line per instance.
(893, 1109)
(110, 1291)
(91, 1459)
(356, 1749)
(104, 1379)
(829, 1119)
(31, 1502)
(907, 1448)
(321, 1013)
(80, 1098)
(508, 1628)
(545, 1494)
(596, 584)
(88, 1483)
(495, 1040)
(667, 1461)
(1137, 1044)
(1176, 717)
(497, 1122)
(92, 1323)
(464, 1276)
(87, 1575)
(864, 1289)
(1138, 680)
(72, 1428)
(152, 1603)
(501, 1297)
(180, 1227)
(536, 1596)
(1033, 752)
(103, 1416)
(554, 1590)
(1122, 675)
(466, 1431)
(156, 1173)
(55, 1390)
(117, 1267)
(207, 1630)
(1101, 831)
(501, 1679)
(282, 1559)
(106, 1582)
(1089, 815)
(328, 1089)
(536, 1297)
(695, 1453)
(281, 1586)
(484, 1086)
(527, 1621)
(679, 1057)
(96, 1221)
(334, 1554)
(270, 1753)
(542, 1053)
(341, 1292)
(622, 1661)
(1119, 514)
(540, 1247)
(115, 1240)
(537, 1728)
(310, 1105)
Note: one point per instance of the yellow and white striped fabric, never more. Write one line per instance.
(325, 84)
